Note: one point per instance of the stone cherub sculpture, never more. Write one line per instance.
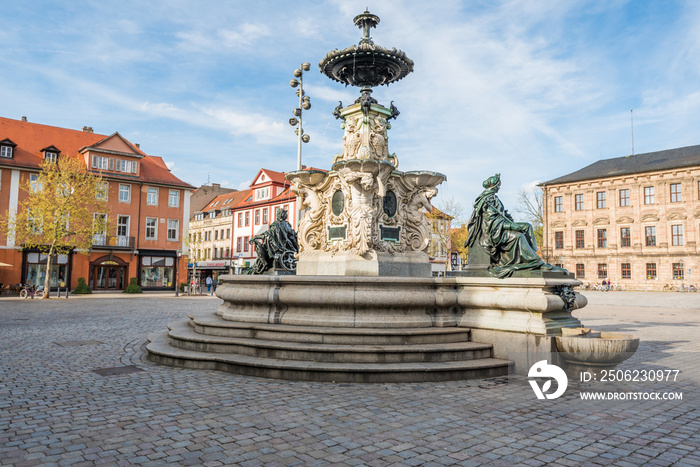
(276, 247)
(510, 245)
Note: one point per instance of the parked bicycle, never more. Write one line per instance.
(32, 291)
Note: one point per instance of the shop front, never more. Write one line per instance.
(157, 269)
(204, 269)
(108, 273)
(34, 270)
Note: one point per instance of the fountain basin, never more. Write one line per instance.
(581, 346)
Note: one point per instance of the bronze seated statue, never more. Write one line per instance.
(510, 245)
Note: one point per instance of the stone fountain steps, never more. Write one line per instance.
(215, 326)
(324, 354)
(183, 337)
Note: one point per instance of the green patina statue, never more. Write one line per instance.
(276, 248)
(510, 245)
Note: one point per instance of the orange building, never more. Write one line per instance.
(148, 206)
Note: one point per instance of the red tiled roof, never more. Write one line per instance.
(235, 197)
(31, 138)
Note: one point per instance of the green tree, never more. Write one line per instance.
(65, 208)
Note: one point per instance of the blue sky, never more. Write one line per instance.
(531, 89)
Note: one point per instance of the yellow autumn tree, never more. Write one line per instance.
(65, 208)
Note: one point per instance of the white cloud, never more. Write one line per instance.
(247, 123)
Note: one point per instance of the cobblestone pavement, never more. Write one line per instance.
(55, 410)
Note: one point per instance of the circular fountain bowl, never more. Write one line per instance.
(597, 349)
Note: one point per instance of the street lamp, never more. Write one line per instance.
(304, 104)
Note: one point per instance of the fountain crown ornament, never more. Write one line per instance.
(367, 64)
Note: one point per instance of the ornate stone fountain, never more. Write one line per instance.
(363, 306)
(364, 216)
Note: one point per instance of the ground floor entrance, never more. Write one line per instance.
(108, 274)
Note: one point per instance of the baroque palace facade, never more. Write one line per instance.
(148, 210)
(633, 220)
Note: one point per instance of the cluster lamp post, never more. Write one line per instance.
(304, 104)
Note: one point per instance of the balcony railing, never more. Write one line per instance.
(114, 241)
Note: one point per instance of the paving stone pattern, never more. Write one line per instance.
(55, 410)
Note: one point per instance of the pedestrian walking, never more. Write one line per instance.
(214, 283)
(208, 282)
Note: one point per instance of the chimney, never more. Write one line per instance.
(24, 119)
(87, 129)
(138, 146)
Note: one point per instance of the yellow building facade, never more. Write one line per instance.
(632, 220)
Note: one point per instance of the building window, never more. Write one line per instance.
(173, 227)
(102, 191)
(100, 162)
(151, 228)
(257, 217)
(579, 202)
(126, 166)
(580, 240)
(6, 151)
(580, 270)
(625, 237)
(100, 224)
(650, 235)
(262, 193)
(174, 199)
(602, 238)
(125, 193)
(651, 270)
(626, 270)
(625, 197)
(558, 204)
(34, 184)
(122, 226)
(676, 235)
(216, 235)
(602, 270)
(678, 271)
(228, 253)
(240, 219)
(152, 196)
(600, 197)
(50, 156)
(245, 244)
(265, 217)
(228, 234)
(558, 240)
(157, 271)
(676, 196)
(649, 195)
(239, 244)
(35, 270)
(247, 218)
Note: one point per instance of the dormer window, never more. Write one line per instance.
(126, 166)
(262, 193)
(7, 149)
(51, 153)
